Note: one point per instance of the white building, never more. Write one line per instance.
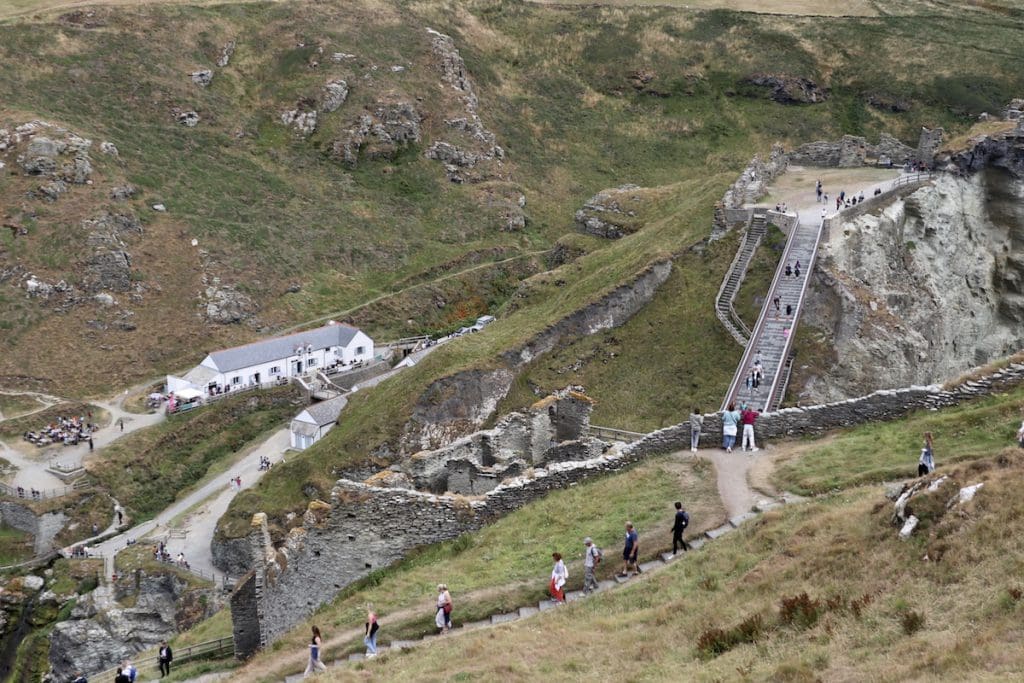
(311, 424)
(272, 360)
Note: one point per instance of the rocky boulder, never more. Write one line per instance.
(188, 118)
(790, 89)
(41, 156)
(109, 266)
(225, 305)
(334, 95)
(202, 78)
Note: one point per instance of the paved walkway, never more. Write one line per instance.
(32, 467)
(198, 527)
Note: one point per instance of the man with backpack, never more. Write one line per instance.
(591, 558)
(682, 521)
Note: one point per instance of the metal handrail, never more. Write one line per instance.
(788, 345)
(614, 433)
(787, 368)
(220, 646)
(727, 321)
(745, 360)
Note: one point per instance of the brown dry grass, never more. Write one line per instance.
(837, 550)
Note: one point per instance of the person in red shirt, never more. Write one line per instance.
(749, 417)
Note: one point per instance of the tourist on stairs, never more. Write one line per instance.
(559, 575)
(315, 663)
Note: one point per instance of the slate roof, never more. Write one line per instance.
(280, 348)
(325, 412)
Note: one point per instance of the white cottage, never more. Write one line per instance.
(311, 424)
(271, 360)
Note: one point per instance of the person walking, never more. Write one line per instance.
(559, 575)
(443, 618)
(1020, 434)
(166, 656)
(630, 550)
(121, 676)
(315, 664)
(730, 418)
(926, 463)
(682, 520)
(749, 417)
(90, 444)
(372, 627)
(591, 558)
(696, 424)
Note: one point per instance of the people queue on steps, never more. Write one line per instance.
(592, 558)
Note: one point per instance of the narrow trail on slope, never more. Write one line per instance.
(387, 295)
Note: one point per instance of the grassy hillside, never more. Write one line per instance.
(818, 591)
(506, 564)
(569, 113)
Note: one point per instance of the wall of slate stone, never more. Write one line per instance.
(367, 528)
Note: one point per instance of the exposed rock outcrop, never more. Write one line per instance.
(109, 266)
(922, 290)
(225, 54)
(380, 134)
(470, 144)
(302, 118)
(456, 405)
(202, 78)
(609, 213)
(94, 638)
(852, 151)
(334, 95)
(225, 305)
(790, 89)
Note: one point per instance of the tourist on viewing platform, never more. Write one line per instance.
(372, 627)
(315, 663)
(443, 618)
(559, 575)
(749, 417)
(630, 550)
(679, 524)
(926, 464)
(730, 418)
(696, 424)
(591, 558)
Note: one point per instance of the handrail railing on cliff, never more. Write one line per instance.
(614, 434)
(745, 361)
(730, 319)
(788, 346)
(221, 647)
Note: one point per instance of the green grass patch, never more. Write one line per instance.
(15, 545)
(506, 564)
(890, 450)
(148, 469)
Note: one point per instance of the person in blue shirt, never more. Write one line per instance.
(630, 550)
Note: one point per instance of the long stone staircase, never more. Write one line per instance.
(527, 611)
(772, 337)
(734, 278)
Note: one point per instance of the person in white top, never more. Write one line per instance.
(443, 618)
(559, 575)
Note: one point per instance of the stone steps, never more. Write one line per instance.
(528, 611)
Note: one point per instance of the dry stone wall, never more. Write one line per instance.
(368, 527)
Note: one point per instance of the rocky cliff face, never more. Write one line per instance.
(922, 290)
(97, 637)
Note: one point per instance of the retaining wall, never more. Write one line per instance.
(44, 528)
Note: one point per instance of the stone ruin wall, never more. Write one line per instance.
(368, 527)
